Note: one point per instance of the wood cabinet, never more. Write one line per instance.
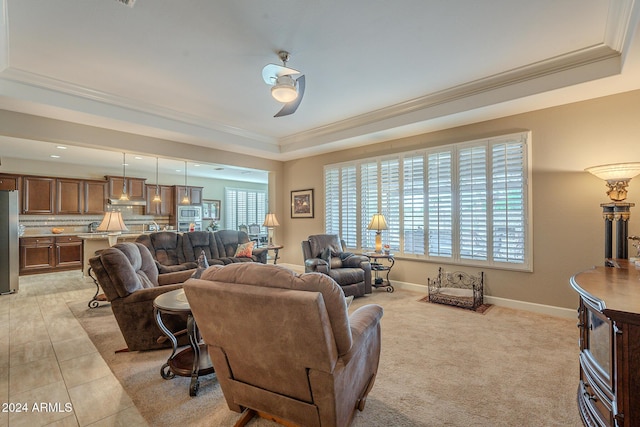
(135, 187)
(38, 195)
(69, 196)
(194, 194)
(609, 322)
(164, 207)
(95, 197)
(46, 254)
(9, 182)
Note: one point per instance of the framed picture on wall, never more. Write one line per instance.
(302, 204)
(211, 209)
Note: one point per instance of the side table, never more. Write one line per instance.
(276, 251)
(194, 360)
(377, 267)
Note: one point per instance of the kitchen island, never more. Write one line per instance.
(94, 242)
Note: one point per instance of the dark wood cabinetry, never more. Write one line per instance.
(44, 254)
(95, 197)
(194, 194)
(609, 322)
(38, 195)
(69, 196)
(162, 208)
(135, 187)
(9, 182)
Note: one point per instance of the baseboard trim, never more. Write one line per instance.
(504, 302)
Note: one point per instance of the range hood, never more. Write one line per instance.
(118, 202)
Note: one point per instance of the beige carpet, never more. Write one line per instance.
(439, 367)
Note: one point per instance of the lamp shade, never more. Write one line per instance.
(378, 222)
(616, 171)
(270, 220)
(285, 89)
(617, 176)
(112, 221)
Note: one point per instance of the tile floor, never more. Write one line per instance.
(50, 372)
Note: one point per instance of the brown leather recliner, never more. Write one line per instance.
(129, 278)
(283, 345)
(326, 253)
(166, 248)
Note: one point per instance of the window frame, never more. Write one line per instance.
(334, 209)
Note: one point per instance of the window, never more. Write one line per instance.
(244, 207)
(466, 203)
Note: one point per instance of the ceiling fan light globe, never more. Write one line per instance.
(284, 90)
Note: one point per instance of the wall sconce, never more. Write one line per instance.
(270, 221)
(112, 223)
(378, 223)
(617, 177)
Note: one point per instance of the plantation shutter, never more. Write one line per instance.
(369, 202)
(332, 201)
(413, 204)
(440, 204)
(390, 201)
(472, 204)
(349, 208)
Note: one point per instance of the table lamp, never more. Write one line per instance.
(378, 223)
(270, 221)
(113, 224)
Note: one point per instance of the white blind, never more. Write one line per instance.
(368, 202)
(244, 207)
(440, 203)
(466, 202)
(472, 204)
(413, 204)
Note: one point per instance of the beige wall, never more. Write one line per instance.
(567, 224)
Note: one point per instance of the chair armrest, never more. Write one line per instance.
(316, 265)
(260, 255)
(364, 326)
(149, 294)
(174, 277)
(354, 261)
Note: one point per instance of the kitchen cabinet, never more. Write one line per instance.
(95, 197)
(162, 208)
(194, 194)
(9, 182)
(38, 195)
(47, 254)
(135, 187)
(69, 196)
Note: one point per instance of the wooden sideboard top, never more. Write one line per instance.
(616, 291)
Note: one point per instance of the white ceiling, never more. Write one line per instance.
(190, 71)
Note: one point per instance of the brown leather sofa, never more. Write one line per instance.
(284, 345)
(325, 253)
(166, 248)
(129, 278)
(219, 247)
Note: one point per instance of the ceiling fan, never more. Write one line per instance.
(283, 87)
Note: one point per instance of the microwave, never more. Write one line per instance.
(189, 213)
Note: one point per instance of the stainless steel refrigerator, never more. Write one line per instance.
(9, 242)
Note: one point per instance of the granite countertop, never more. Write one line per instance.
(82, 235)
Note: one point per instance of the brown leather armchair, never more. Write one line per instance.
(129, 278)
(326, 253)
(227, 242)
(283, 345)
(166, 248)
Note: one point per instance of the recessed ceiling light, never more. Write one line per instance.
(54, 156)
(61, 147)
(138, 158)
(196, 165)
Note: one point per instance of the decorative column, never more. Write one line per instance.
(620, 213)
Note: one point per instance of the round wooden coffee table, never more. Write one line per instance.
(192, 361)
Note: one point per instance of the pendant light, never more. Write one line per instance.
(124, 195)
(156, 198)
(185, 199)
